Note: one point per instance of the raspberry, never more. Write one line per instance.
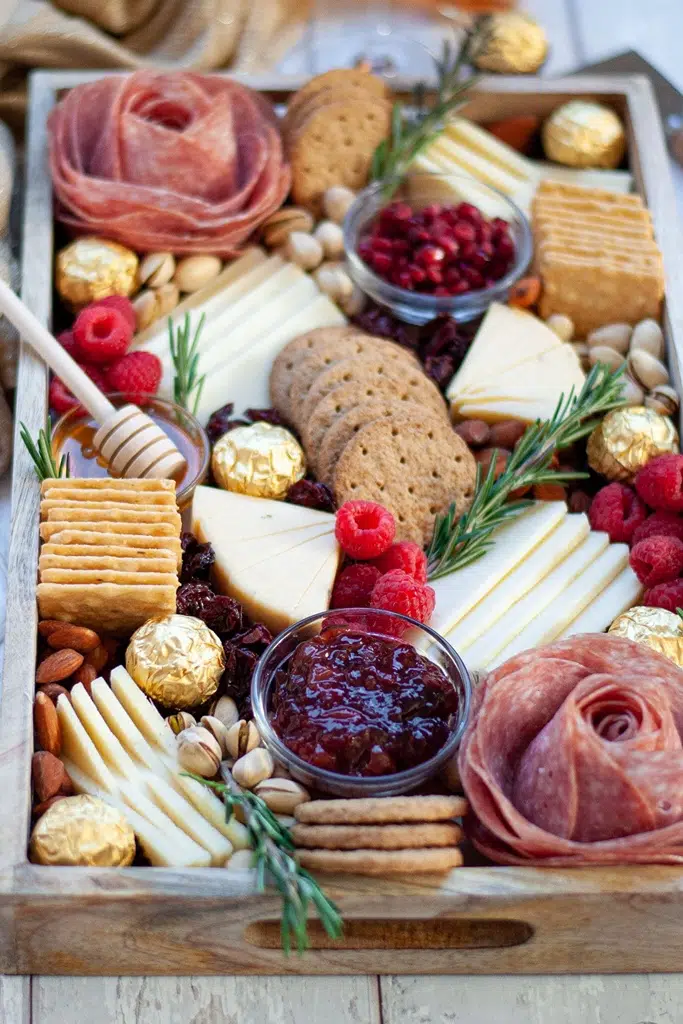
(396, 591)
(660, 483)
(102, 334)
(618, 511)
(657, 560)
(665, 595)
(122, 305)
(61, 399)
(136, 374)
(364, 529)
(354, 586)
(69, 344)
(659, 524)
(405, 555)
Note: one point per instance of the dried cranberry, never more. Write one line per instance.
(197, 559)
(221, 614)
(256, 635)
(311, 495)
(271, 416)
(440, 369)
(219, 422)
(378, 321)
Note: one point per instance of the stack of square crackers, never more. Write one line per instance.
(596, 255)
(110, 553)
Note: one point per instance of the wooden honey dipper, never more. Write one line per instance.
(130, 441)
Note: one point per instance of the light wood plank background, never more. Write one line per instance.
(580, 31)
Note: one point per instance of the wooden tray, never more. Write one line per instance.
(143, 920)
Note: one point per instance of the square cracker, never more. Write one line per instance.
(566, 190)
(100, 562)
(49, 503)
(110, 516)
(98, 483)
(94, 576)
(63, 531)
(105, 607)
(52, 547)
(104, 495)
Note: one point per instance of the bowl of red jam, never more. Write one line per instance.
(438, 244)
(368, 703)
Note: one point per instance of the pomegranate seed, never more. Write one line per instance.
(434, 275)
(433, 210)
(429, 255)
(417, 235)
(417, 273)
(464, 233)
(381, 261)
(448, 244)
(404, 279)
(505, 249)
(381, 244)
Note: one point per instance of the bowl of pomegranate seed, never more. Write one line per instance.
(425, 251)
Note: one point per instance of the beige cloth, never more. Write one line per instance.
(202, 34)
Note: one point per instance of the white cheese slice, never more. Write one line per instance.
(161, 850)
(555, 547)
(213, 809)
(495, 410)
(99, 732)
(556, 370)
(483, 142)
(457, 593)
(125, 731)
(278, 560)
(618, 597)
(568, 605)
(184, 815)
(507, 337)
(453, 155)
(79, 748)
(234, 280)
(455, 186)
(614, 181)
(141, 711)
(245, 379)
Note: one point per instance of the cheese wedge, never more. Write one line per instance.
(125, 731)
(618, 597)
(189, 820)
(552, 372)
(528, 574)
(140, 710)
(459, 592)
(278, 560)
(161, 850)
(79, 748)
(582, 591)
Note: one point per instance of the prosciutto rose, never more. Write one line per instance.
(177, 162)
(574, 756)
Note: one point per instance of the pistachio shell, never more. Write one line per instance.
(304, 250)
(615, 336)
(604, 354)
(280, 225)
(561, 325)
(632, 393)
(663, 399)
(145, 306)
(157, 268)
(646, 370)
(648, 336)
(355, 303)
(254, 767)
(336, 202)
(194, 272)
(334, 281)
(167, 298)
(331, 237)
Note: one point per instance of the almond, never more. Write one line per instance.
(58, 666)
(47, 726)
(40, 809)
(79, 638)
(54, 691)
(86, 675)
(48, 626)
(98, 658)
(49, 776)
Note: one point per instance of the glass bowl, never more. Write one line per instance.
(73, 432)
(422, 189)
(427, 642)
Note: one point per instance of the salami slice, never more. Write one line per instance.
(179, 161)
(574, 755)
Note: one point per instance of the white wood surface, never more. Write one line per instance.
(580, 31)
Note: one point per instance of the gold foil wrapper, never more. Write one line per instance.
(176, 660)
(584, 134)
(93, 268)
(84, 831)
(656, 628)
(514, 44)
(260, 460)
(627, 439)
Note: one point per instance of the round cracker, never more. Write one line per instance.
(339, 78)
(298, 348)
(300, 108)
(377, 837)
(349, 421)
(381, 862)
(381, 810)
(413, 465)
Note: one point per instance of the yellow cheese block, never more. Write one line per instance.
(554, 619)
(79, 748)
(278, 560)
(459, 592)
(618, 597)
(141, 711)
(528, 574)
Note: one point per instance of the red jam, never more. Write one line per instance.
(358, 704)
(439, 250)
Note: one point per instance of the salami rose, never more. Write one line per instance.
(180, 161)
(574, 756)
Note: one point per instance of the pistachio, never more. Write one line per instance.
(145, 307)
(606, 355)
(252, 768)
(217, 730)
(355, 303)
(280, 225)
(241, 860)
(561, 325)
(583, 352)
(156, 269)
(286, 820)
(225, 710)
(648, 335)
(242, 737)
(616, 336)
(199, 752)
(646, 370)
(632, 393)
(663, 399)
(194, 272)
(280, 772)
(304, 250)
(331, 237)
(333, 280)
(282, 795)
(167, 297)
(336, 202)
(183, 720)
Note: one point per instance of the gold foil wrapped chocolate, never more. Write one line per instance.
(627, 438)
(656, 628)
(260, 460)
(93, 268)
(83, 830)
(176, 660)
(584, 134)
(514, 43)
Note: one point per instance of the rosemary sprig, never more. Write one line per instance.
(273, 859)
(412, 132)
(187, 384)
(41, 452)
(459, 540)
